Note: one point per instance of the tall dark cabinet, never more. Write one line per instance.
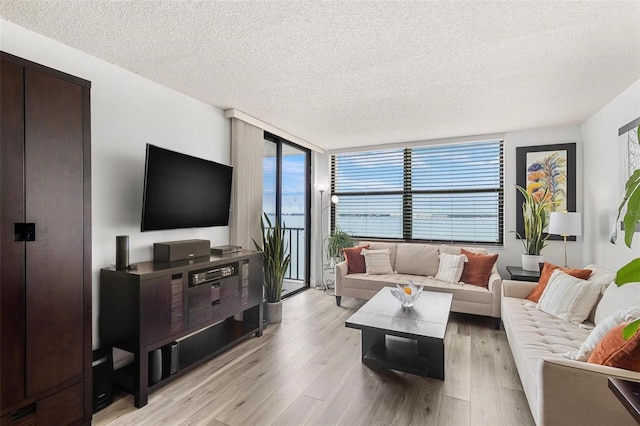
(45, 245)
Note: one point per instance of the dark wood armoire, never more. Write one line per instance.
(45, 247)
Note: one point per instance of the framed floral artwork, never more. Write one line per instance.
(551, 168)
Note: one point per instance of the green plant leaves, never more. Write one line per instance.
(629, 273)
(536, 218)
(630, 329)
(276, 258)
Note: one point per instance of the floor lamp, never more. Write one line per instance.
(565, 224)
(334, 200)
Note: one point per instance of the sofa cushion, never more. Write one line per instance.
(539, 334)
(545, 274)
(616, 297)
(568, 297)
(417, 259)
(450, 268)
(621, 316)
(615, 351)
(355, 259)
(377, 261)
(463, 293)
(601, 275)
(477, 269)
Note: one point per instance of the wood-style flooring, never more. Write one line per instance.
(307, 371)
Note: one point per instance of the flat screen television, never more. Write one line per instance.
(181, 191)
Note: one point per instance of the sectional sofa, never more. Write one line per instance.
(420, 263)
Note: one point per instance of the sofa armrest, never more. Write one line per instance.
(574, 392)
(517, 289)
(495, 288)
(341, 271)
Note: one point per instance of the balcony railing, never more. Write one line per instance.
(295, 241)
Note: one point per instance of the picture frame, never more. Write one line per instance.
(535, 165)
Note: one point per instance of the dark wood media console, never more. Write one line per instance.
(206, 305)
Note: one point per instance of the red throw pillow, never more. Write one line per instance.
(355, 261)
(614, 351)
(547, 270)
(477, 269)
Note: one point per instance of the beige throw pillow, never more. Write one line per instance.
(377, 261)
(451, 266)
(569, 298)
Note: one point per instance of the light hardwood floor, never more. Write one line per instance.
(307, 370)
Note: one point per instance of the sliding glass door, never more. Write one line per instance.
(286, 200)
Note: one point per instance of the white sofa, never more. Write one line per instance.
(560, 391)
(419, 263)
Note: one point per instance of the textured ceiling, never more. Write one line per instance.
(345, 74)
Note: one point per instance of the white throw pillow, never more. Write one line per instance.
(377, 261)
(616, 297)
(569, 298)
(621, 316)
(451, 266)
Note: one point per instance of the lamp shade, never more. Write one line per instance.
(565, 223)
(335, 199)
(321, 186)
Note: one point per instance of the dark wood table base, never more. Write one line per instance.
(421, 356)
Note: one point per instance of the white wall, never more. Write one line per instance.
(127, 112)
(603, 190)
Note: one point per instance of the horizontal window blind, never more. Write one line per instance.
(445, 193)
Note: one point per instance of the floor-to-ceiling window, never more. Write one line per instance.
(286, 200)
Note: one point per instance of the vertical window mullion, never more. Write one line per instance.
(407, 198)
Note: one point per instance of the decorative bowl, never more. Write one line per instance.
(407, 294)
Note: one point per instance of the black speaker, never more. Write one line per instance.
(122, 252)
(102, 367)
(171, 251)
(155, 366)
(170, 359)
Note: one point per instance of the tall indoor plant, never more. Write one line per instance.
(631, 271)
(276, 263)
(535, 213)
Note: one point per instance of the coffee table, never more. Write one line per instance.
(404, 339)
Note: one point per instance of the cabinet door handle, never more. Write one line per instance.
(24, 231)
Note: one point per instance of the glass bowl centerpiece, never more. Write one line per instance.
(407, 294)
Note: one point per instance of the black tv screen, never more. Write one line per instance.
(181, 191)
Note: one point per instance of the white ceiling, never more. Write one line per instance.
(346, 74)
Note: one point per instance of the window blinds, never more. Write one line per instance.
(444, 193)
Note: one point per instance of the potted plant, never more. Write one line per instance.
(336, 242)
(631, 271)
(276, 263)
(535, 213)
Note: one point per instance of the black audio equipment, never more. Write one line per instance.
(198, 278)
(171, 251)
(122, 252)
(102, 367)
(155, 366)
(170, 359)
(221, 250)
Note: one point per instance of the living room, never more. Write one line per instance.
(132, 106)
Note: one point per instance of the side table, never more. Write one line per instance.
(519, 274)
(628, 393)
